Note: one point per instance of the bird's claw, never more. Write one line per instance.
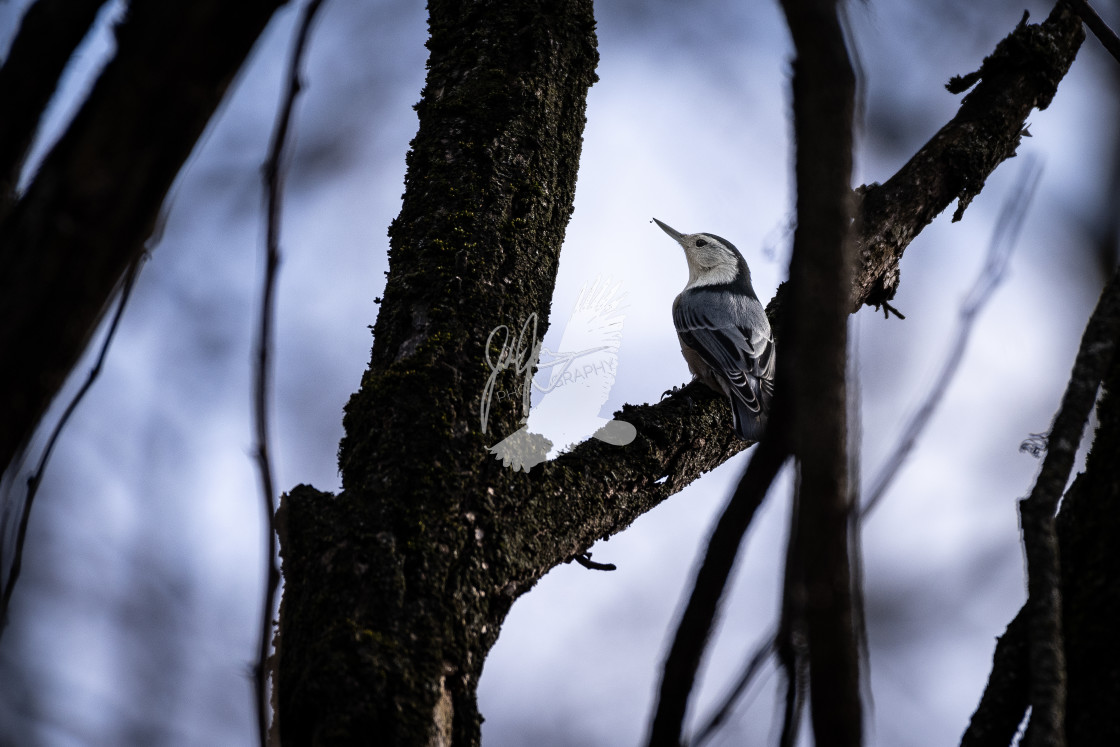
(674, 390)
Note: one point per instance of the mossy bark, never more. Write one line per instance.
(396, 588)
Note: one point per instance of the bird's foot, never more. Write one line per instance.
(674, 390)
(677, 390)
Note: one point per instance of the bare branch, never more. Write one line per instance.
(820, 582)
(36, 479)
(48, 35)
(695, 625)
(1047, 657)
(1100, 29)
(1003, 240)
(1021, 74)
(68, 241)
(274, 187)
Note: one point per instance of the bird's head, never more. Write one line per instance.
(711, 260)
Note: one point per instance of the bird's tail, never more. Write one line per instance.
(749, 424)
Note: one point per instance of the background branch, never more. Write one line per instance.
(694, 628)
(48, 34)
(84, 219)
(1044, 604)
(1100, 29)
(1004, 236)
(273, 177)
(820, 588)
(36, 478)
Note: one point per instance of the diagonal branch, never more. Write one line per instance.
(695, 625)
(65, 245)
(1047, 657)
(682, 443)
(48, 35)
(1100, 29)
(1003, 240)
(36, 478)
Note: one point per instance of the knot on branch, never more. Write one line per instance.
(1032, 51)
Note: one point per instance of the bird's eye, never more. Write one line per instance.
(701, 242)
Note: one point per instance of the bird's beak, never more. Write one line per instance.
(677, 235)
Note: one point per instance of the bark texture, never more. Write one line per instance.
(396, 588)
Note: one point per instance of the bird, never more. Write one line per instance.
(724, 334)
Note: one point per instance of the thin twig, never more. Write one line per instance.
(36, 478)
(1100, 29)
(1047, 657)
(695, 626)
(273, 181)
(1004, 237)
(751, 670)
(584, 559)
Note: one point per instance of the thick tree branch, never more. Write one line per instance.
(816, 361)
(48, 35)
(681, 442)
(1022, 74)
(65, 245)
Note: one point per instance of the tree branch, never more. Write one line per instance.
(695, 625)
(1100, 29)
(272, 175)
(1026, 671)
(48, 35)
(816, 367)
(65, 245)
(683, 443)
(1022, 74)
(1047, 655)
(36, 478)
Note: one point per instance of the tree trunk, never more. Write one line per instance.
(396, 588)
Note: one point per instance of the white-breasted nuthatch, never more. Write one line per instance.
(723, 330)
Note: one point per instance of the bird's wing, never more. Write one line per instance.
(734, 340)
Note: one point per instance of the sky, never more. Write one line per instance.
(135, 618)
